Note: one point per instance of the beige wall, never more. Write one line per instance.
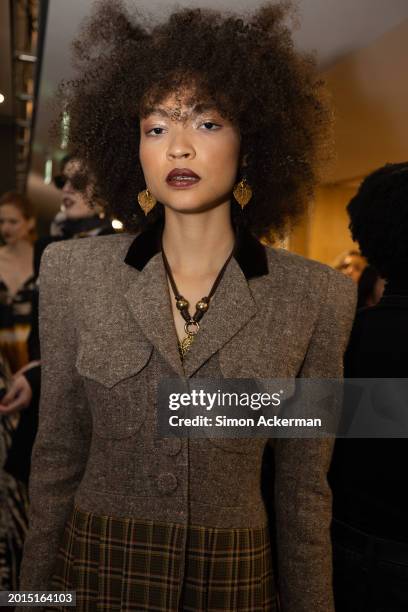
(324, 233)
(369, 90)
(370, 95)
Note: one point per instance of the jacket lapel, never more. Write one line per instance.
(232, 306)
(149, 302)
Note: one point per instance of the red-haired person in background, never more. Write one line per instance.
(17, 289)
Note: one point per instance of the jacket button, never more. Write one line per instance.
(169, 446)
(167, 482)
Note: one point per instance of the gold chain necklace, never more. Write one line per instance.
(192, 325)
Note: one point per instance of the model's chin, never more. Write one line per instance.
(193, 200)
(188, 205)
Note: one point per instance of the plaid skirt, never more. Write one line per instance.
(130, 565)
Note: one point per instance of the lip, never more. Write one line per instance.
(182, 178)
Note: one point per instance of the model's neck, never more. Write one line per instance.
(198, 244)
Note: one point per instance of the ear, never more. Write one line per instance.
(31, 223)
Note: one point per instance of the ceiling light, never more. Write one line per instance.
(2, 98)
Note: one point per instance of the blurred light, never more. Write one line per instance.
(48, 172)
(116, 224)
(25, 57)
(65, 130)
(2, 98)
(29, 109)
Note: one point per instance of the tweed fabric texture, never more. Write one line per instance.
(108, 337)
(133, 566)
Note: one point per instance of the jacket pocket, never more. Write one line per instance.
(115, 378)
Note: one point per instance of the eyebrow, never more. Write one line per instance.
(197, 109)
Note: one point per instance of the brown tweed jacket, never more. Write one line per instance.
(108, 337)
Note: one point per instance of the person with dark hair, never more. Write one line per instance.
(81, 214)
(369, 477)
(204, 134)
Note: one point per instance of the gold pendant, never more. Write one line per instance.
(185, 344)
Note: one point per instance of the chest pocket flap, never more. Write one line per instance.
(110, 358)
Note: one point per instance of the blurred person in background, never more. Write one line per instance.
(351, 263)
(18, 295)
(17, 280)
(18, 292)
(17, 289)
(369, 477)
(76, 219)
(370, 287)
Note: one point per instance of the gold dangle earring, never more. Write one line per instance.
(242, 190)
(146, 200)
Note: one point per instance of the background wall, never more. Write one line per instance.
(369, 90)
(324, 232)
(7, 155)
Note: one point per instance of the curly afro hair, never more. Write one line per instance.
(379, 219)
(246, 67)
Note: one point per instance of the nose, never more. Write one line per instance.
(67, 188)
(180, 145)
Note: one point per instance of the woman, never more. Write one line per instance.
(77, 219)
(203, 135)
(18, 296)
(17, 283)
(17, 287)
(369, 477)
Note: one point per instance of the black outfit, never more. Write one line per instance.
(369, 477)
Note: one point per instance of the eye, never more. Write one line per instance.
(156, 131)
(210, 126)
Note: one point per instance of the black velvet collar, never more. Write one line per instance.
(250, 253)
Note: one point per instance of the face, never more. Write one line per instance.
(13, 224)
(73, 200)
(189, 155)
(352, 266)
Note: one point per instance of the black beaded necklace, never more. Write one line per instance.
(192, 326)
